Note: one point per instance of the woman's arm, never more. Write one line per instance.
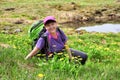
(32, 53)
(68, 50)
(64, 37)
(39, 45)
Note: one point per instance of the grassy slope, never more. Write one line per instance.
(103, 62)
(102, 49)
(27, 9)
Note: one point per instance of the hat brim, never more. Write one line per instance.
(49, 21)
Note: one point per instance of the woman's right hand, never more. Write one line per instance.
(32, 53)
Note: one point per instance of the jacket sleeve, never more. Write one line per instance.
(40, 43)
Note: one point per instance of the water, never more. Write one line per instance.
(105, 28)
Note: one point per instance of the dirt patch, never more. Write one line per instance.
(65, 13)
(16, 20)
(66, 7)
(9, 9)
(14, 25)
(85, 15)
(4, 45)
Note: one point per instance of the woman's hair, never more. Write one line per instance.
(49, 21)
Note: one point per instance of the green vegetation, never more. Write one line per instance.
(103, 49)
(103, 62)
(40, 8)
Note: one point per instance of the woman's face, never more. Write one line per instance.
(51, 27)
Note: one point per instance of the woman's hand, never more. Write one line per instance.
(68, 50)
(32, 53)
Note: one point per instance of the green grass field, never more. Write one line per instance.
(102, 49)
(103, 62)
(40, 8)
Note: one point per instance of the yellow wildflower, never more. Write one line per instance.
(79, 58)
(72, 58)
(60, 53)
(66, 47)
(50, 55)
(61, 59)
(14, 46)
(66, 55)
(38, 54)
(106, 49)
(117, 50)
(79, 40)
(75, 57)
(40, 75)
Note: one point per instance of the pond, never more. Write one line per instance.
(105, 28)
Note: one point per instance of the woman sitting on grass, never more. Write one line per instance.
(55, 42)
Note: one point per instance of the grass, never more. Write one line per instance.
(102, 64)
(26, 9)
(29, 11)
(102, 49)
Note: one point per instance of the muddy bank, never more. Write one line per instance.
(97, 16)
(67, 14)
(73, 13)
(14, 25)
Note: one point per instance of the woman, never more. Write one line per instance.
(57, 40)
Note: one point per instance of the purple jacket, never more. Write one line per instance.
(55, 44)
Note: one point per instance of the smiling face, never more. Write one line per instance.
(51, 27)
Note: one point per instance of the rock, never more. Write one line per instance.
(73, 3)
(90, 19)
(98, 12)
(104, 9)
(118, 0)
(67, 7)
(21, 21)
(117, 9)
(104, 19)
(84, 18)
(118, 16)
(77, 18)
(6, 28)
(17, 30)
(4, 45)
(34, 18)
(5, 32)
(101, 19)
(103, 41)
(111, 16)
(9, 9)
(98, 19)
(80, 31)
